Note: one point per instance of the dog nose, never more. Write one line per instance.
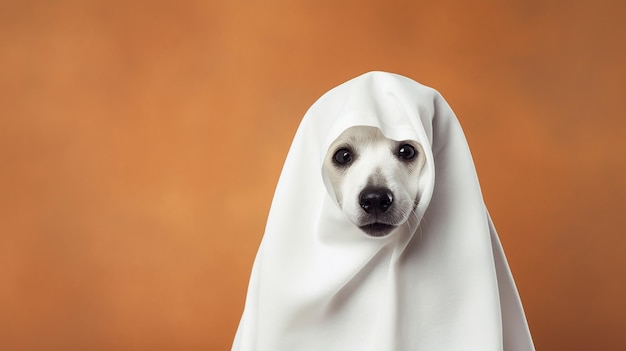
(375, 200)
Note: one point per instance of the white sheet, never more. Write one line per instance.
(319, 283)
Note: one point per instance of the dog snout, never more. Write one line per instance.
(375, 200)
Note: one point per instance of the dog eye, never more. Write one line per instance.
(406, 151)
(342, 156)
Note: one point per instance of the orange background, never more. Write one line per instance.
(140, 143)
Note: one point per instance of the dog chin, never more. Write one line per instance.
(377, 229)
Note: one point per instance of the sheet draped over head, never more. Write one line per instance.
(319, 283)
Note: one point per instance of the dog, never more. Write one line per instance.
(374, 179)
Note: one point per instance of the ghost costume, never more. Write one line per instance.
(320, 283)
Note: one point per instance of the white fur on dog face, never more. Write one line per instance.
(375, 163)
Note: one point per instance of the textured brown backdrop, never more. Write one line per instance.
(140, 143)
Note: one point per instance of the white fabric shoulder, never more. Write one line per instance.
(319, 283)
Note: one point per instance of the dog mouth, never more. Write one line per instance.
(377, 229)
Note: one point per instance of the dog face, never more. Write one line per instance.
(375, 179)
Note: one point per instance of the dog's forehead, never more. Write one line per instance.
(360, 135)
